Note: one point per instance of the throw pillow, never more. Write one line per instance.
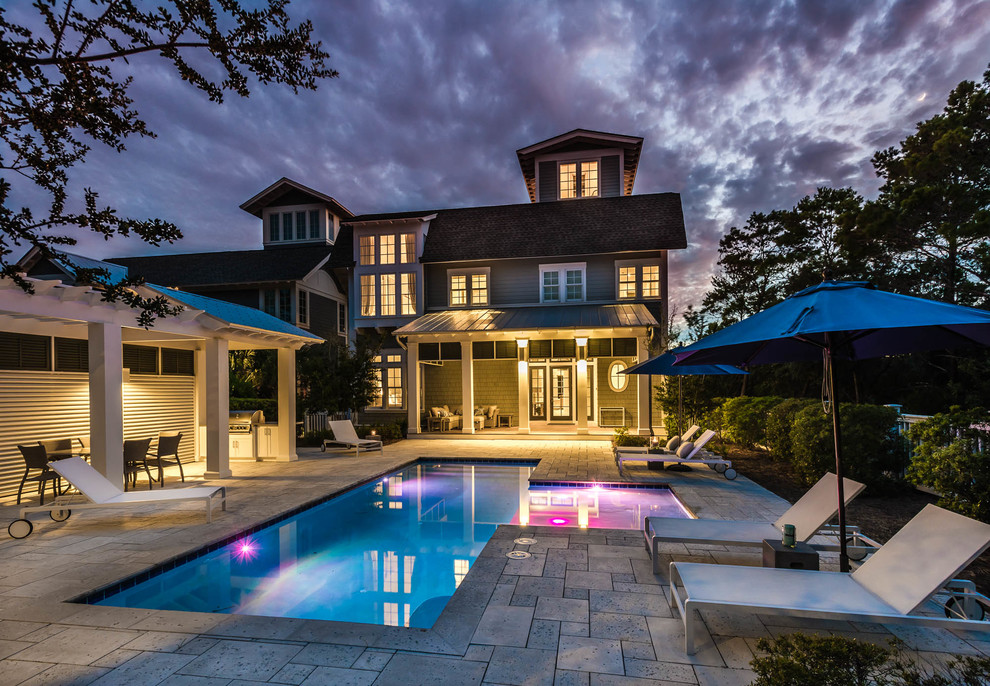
(685, 449)
(673, 443)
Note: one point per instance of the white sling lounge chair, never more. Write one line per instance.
(344, 434)
(808, 515)
(693, 454)
(95, 490)
(889, 588)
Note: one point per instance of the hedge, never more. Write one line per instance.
(746, 419)
(780, 419)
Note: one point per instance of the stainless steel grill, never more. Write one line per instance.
(245, 421)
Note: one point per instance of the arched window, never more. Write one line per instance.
(616, 380)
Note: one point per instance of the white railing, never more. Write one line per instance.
(320, 421)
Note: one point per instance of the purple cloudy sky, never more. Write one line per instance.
(744, 106)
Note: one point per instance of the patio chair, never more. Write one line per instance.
(58, 448)
(167, 454)
(136, 459)
(95, 491)
(808, 515)
(344, 434)
(687, 452)
(889, 588)
(36, 458)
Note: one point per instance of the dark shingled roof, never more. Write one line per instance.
(343, 249)
(567, 227)
(215, 268)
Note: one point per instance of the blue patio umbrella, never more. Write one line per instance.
(663, 365)
(849, 320)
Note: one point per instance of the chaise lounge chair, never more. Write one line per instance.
(95, 490)
(808, 515)
(889, 588)
(687, 452)
(344, 434)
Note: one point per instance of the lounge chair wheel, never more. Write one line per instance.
(730, 474)
(970, 608)
(20, 528)
(720, 468)
(59, 515)
(323, 448)
(852, 553)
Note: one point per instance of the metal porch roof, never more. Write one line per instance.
(526, 318)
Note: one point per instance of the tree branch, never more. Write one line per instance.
(47, 61)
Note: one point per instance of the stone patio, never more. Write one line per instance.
(584, 609)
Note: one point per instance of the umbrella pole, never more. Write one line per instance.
(680, 407)
(843, 557)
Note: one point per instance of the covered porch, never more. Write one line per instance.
(550, 370)
(75, 366)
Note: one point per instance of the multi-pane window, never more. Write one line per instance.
(388, 294)
(575, 284)
(551, 287)
(407, 294)
(627, 282)
(568, 181)
(278, 303)
(341, 317)
(367, 253)
(303, 308)
(458, 290)
(299, 224)
(367, 295)
(562, 282)
(314, 224)
(378, 396)
(273, 233)
(407, 248)
(287, 226)
(386, 249)
(479, 289)
(651, 281)
(589, 179)
(394, 386)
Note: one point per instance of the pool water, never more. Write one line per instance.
(389, 552)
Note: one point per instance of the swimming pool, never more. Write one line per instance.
(391, 551)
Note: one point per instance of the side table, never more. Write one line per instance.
(801, 556)
(504, 420)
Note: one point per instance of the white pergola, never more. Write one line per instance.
(210, 327)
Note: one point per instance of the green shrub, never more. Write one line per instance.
(622, 437)
(952, 456)
(746, 419)
(393, 431)
(780, 419)
(267, 405)
(872, 451)
(800, 660)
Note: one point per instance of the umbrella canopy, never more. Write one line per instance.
(663, 365)
(845, 320)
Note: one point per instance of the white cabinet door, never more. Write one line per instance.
(268, 441)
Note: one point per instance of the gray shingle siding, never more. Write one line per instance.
(548, 181)
(323, 316)
(611, 181)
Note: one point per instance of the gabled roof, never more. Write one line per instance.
(584, 316)
(271, 195)
(554, 229)
(34, 263)
(227, 268)
(578, 140)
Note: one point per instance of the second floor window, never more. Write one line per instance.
(303, 314)
(386, 249)
(407, 248)
(367, 253)
(407, 294)
(562, 282)
(469, 287)
(458, 290)
(627, 282)
(638, 280)
(651, 281)
(278, 303)
(368, 295)
(341, 317)
(479, 289)
(578, 179)
(388, 295)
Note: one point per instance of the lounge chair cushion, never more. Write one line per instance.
(673, 443)
(685, 449)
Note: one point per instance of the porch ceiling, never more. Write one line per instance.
(627, 315)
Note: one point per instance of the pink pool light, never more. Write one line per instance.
(245, 550)
(559, 521)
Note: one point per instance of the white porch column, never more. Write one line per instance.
(106, 401)
(413, 380)
(287, 405)
(217, 375)
(581, 397)
(523, 391)
(199, 410)
(643, 391)
(467, 388)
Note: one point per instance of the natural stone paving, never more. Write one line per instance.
(585, 609)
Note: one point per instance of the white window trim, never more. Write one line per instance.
(300, 294)
(562, 269)
(341, 321)
(638, 265)
(577, 161)
(625, 378)
(322, 235)
(383, 365)
(469, 272)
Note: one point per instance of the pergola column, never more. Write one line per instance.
(523, 386)
(413, 381)
(287, 405)
(217, 407)
(106, 400)
(467, 388)
(643, 390)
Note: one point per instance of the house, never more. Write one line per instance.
(534, 309)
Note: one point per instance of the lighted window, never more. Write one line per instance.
(386, 249)
(479, 289)
(367, 295)
(617, 380)
(390, 567)
(458, 290)
(391, 614)
(461, 568)
(394, 386)
(394, 358)
(388, 294)
(303, 309)
(408, 293)
(408, 564)
(568, 181)
(651, 281)
(589, 179)
(367, 250)
(575, 284)
(551, 287)
(627, 282)
(407, 248)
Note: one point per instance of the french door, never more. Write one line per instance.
(538, 393)
(560, 393)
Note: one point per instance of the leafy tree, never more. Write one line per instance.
(814, 244)
(334, 378)
(62, 91)
(934, 206)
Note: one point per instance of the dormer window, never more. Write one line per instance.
(562, 282)
(285, 224)
(637, 279)
(468, 287)
(569, 179)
